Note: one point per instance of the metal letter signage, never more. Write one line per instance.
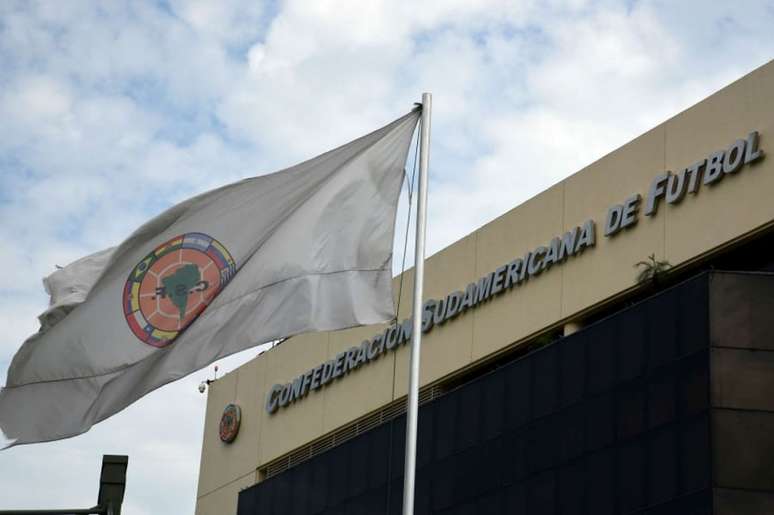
(672, 187)
(669, 187)
(436, 312)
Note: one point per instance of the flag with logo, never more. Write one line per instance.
(308, 248)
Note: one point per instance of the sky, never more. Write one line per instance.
(111, 112)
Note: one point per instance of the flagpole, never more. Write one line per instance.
(412, 409)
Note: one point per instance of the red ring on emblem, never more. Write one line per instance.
(229, 423)
(172, 285)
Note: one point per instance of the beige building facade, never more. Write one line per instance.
(685, 191)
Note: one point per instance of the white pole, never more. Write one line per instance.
(412, 409)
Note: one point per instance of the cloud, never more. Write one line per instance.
(112, 112)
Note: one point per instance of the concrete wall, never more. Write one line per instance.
(701, 224)
(742, 383)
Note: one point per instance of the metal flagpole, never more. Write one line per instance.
(412, 410)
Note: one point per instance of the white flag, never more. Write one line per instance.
(308, 248)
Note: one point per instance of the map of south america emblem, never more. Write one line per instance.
(172, 285)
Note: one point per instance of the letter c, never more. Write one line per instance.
(536, 263)
(272, 400)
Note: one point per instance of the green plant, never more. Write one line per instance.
(545, 339)
(651, 269)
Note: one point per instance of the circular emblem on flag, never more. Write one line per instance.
(169, 287)
(229, 423)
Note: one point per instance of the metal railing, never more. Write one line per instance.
(345, 433)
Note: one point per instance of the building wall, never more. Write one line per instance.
(742, 364)
(717, 216)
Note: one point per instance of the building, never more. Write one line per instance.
(552, 380)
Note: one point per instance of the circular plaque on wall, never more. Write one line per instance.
(229, 423)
